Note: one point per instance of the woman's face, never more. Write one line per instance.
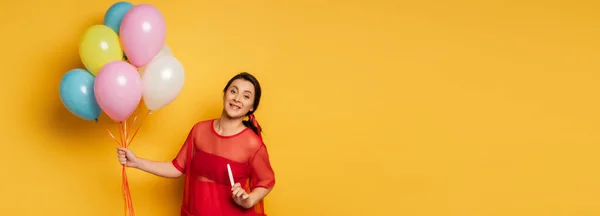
(239, 98)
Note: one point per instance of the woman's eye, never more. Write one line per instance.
(247, 97)
(233, 91)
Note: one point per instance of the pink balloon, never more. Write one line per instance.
(118, 89)
(142, 33)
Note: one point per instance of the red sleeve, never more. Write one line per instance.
(180, 160)
(262, 173)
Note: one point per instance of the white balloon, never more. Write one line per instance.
(163, 80)
(165, 51)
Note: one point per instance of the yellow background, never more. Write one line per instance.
(371, 107)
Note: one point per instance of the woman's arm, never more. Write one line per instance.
(159, 168)
(248, 200)
(263, 177)
(258, 194)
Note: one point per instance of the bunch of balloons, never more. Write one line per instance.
(126, 60)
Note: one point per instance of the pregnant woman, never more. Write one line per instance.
(212, 146)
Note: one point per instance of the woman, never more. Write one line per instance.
(210, 147)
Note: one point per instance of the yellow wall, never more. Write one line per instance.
(376, 107)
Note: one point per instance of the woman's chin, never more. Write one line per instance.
(234, 114)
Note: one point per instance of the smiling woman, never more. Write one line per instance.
(250, 89)
(213, 146)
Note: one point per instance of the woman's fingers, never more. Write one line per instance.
(122, 159)
(238, 191)
(236, 186)
(122, 156)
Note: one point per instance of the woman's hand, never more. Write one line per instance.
(127, 158)
(160, 168)
(241, 197)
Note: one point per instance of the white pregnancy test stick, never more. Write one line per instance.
(230, 175)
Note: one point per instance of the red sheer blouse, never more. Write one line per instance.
(207, 185)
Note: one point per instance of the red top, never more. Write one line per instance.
(207, 186)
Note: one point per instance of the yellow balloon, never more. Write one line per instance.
(99, 46)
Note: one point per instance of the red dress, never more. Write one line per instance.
(207, 186)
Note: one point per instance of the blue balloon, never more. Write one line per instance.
(114, 15)
(77, 94)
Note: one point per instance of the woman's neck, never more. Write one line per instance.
(228, 126)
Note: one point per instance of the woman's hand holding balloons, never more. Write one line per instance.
(127, 157)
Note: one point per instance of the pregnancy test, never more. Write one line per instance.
(230, 175)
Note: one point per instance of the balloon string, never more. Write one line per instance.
(125, 199)
(125, 141)
(131, 212)
(121, 134)
(125, 132)
(138, 128)
(113, 137)
(123, 174)
(126, 192)
(130, 201)
(134, 120)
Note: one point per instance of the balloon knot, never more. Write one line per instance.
(96, 120)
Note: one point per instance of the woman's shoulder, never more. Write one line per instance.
(203, 124)
(253, 140)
